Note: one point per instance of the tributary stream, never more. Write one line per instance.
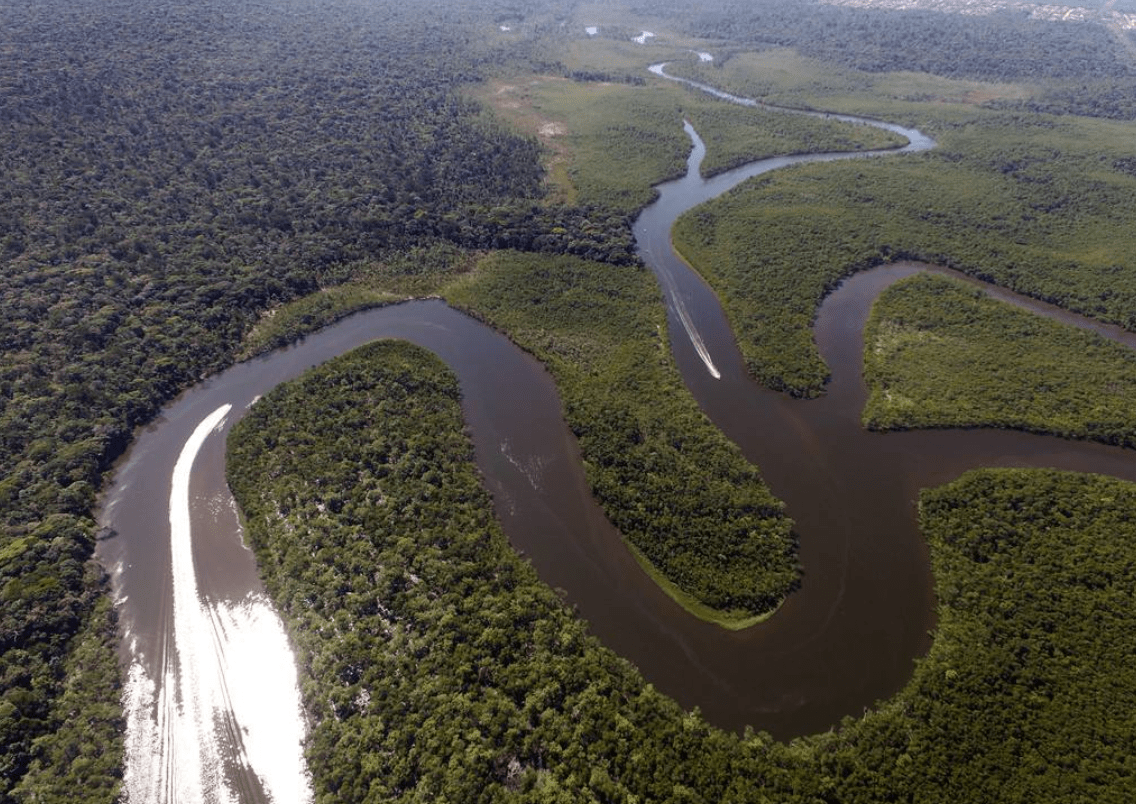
(212, 699)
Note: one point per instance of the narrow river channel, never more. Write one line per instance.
(212, 702)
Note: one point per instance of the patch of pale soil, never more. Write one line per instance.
(549, 130)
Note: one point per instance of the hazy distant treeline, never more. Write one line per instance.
(1093, 71)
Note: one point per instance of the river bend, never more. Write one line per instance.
(847, 639)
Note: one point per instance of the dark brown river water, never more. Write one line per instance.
(846, 639)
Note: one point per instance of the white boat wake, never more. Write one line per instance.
(670, 288)
(224, 725)
(695, 336)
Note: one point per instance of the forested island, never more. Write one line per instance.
(186, 185)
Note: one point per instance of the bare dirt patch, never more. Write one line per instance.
(549, 130)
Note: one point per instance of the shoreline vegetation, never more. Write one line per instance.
(1034, 204)
(735, 568)
(721, 547)
(434, 663)
(885, 765)
(168, 178)
(418, 273)
(695, 511)
(539, 97)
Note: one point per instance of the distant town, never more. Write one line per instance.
(1040, 11)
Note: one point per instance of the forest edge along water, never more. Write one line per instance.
(845, 640)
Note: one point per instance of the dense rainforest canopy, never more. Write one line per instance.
(170, 171)
(436, 666)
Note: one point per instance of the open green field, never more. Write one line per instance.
(784, 76)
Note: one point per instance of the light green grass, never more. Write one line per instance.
(783, 76)
(731, 620)
(610, 143)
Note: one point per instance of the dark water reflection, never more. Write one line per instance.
(847, 639)
(864, 612)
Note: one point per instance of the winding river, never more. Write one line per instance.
(212, 698)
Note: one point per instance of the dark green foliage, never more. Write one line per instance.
(1037, 702)
(82, 751)
(437, 667)
(146, 225)
(1028, 692)
(939, 353)
(606, 77)
(1026, 202)
(434, 664)
(673, 485)
(420, 271)
(166, 174)
(169, 172)
(1112, 97)
(50, 590)
(1081, 67)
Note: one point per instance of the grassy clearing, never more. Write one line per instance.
(608, 143)
(783, 76)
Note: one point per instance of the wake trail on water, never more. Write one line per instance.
(679, 306)
(916, 141)
(225, 723)
(695, 336)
